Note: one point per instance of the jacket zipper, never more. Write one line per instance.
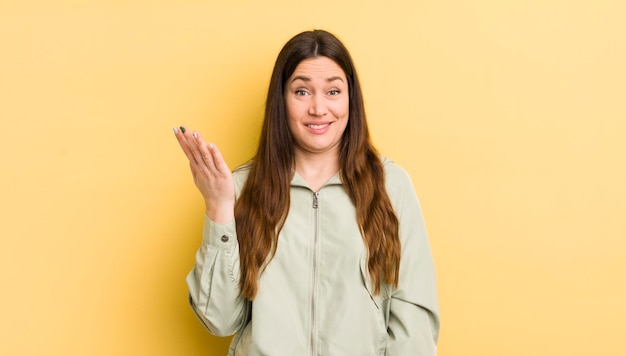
(315, 237)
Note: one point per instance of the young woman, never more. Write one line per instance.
(317, 246)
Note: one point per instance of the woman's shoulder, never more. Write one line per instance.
(394, 171)
(240, 175)
(397, 179)
(243, 169)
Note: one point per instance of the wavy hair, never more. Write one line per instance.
(263, 205)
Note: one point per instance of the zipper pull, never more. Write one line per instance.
(315, 195)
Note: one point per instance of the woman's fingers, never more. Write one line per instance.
(204, 153)
(182, 141)
(202, 156)
(195, 149)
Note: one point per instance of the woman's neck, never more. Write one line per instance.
(317, 169)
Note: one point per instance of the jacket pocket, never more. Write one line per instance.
(380, 303)
(367, 281)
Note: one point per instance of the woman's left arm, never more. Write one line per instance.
(414, 309)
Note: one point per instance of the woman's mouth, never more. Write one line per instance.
(317, 126)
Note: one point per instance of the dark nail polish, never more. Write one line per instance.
(182, 129)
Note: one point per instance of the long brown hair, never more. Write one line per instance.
(263, 205)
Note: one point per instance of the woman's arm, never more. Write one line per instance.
(213, 283)
(214, 291)
(414, 310)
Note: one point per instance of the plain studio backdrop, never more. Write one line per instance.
(510, 117)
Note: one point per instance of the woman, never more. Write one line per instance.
(316, 246)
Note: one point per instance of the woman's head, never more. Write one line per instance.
(302, 47)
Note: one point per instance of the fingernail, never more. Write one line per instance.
(182, 129)
(211, 146)
(195, 135)
(175, 130)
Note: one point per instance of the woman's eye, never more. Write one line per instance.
(334, 92)
(301, 92)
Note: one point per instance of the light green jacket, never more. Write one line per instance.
(315, 297)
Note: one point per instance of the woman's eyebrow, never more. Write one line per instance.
(332, 79)
(301, 77)
(307, 79)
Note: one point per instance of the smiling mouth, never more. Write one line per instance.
(317, 126)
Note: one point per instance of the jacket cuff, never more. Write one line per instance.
(219, 235)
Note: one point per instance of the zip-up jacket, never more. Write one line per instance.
(315, 297)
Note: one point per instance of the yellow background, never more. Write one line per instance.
(509, 115)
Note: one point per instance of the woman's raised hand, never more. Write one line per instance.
(210, 174)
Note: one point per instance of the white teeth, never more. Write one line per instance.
(315, 127)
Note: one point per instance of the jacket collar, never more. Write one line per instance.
(298, 181)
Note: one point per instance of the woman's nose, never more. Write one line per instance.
(318, 106)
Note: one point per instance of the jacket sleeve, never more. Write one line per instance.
(214, 291)
(413, 326)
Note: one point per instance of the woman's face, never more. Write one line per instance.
(317, 101)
